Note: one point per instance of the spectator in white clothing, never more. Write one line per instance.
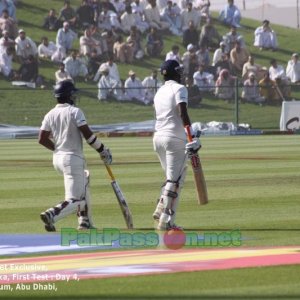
(151, 84)
(251, 92)
(153, 18)
(65, 37)
(134, 90)
(190, 14)
(113, 70)
(62, 74)
(265, 37)
(293, 69)
(174, 54)
(204, 80)
(75, 66)
(218, 53)
(24, 46)
(6, 42)
(6, 62)
(46, 49)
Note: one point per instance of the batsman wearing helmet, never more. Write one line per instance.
(61, 132)
(170, 141)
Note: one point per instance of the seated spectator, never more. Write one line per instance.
(28, 70)
(190, 61)
(6, 42)
(119, 6)
(25, 47)
(174, 54)
(268, 89)
(65, 37)
(99, 37)
(154, 43)
(218, 53)
(251, 91)
(293, 69)
(108, 19)
(85, 15)
(10, 7)
(127, 20)
(88, 44)
(265, 37)
(152, 16)
(231, 38)
(123, 52)
(8, 24)
(135, 42)
(108, 87)
(59, 55)
(151, 84)
(203, 7)
(93, 64)
(238, 57)
(230, 15)
(51, 22)
(225, 85)
(171, 14)
(209, 36)
(62, 74)
(204, 80)
(46, 49)
(112, 67)
(278, 75)
(190, 14)
(190, 35)
(251, 67)
(68, 14)
(224, 63)
(203, 56)
(134, 90)
(194, 95)
(110, 38)
(75, 66)
(6, 62)
(140, 23)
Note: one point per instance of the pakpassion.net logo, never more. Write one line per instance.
(172, 239)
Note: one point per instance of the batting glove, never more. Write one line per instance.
(192, 147)
(106, 156)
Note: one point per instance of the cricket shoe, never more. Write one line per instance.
(47, 218)
(158, 211)
(168, 226)
(85, 225)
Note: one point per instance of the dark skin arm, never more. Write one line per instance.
(182, 108)
(44, 136)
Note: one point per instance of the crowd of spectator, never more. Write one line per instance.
(110, 32)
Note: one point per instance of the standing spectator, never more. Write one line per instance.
(171, 14)
(230, 15)
(46, 49)
(6, 42)
(51, 22)
(85, 15)
(65, 37)
(204, 80)
(153, 18)
(8, 24)
(190, 14)
(151, 84)
(154, 43)
(190, 61)
(75, 66)
(265, 37)
(108, 87)
(134, 90)
(225, 85)
(218, 53)
(293, 69)
(62, 74)
(238, 57)
(25, 47)
(6, 62)
(209, 36)
(123, 52)
(190, 35)
(251, 91)
(68, 14)
(174, 54)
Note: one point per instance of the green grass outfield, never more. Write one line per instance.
(253, 185)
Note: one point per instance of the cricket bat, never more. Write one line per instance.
(121, 199)
(198, 173)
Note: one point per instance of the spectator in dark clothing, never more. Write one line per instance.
(51, 21)
(85, 15)
(154, 44)
(94, 62)
(190, 35)
(28, 70)
(194, 94)
(68, 14)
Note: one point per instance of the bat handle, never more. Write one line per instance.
(188, 133)
(109, 171)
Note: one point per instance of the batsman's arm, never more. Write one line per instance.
(182, 107)
(44, 140)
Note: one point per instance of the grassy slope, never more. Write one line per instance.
(25, 107)
(253, 184)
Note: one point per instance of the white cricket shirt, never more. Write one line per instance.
(168, 120)
(63, 122)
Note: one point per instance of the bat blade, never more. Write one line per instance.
(123, 204)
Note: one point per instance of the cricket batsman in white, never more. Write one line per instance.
(170, 141)
(61, 132)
